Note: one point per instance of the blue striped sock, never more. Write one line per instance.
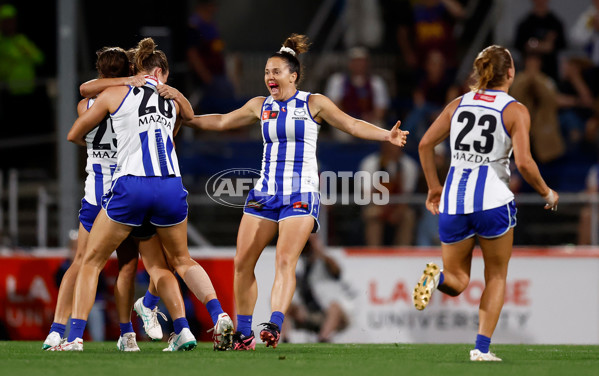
(77, 329)
(59, 328)
(482, 343)
(150, 301)
(179, 324)
(277, 318)
(126, 327)
(214, 309)
(244, 324)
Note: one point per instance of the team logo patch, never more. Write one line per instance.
(484, 97)
(254, 205)
(266, 115)
(299, 112)
(300, 205)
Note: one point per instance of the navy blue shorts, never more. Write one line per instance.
(490, 223)
(279, 207)
(134, 199)
(88, 214)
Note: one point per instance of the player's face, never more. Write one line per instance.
(279, 81)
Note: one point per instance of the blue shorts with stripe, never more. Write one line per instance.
(88, 214)
(132, 200)
(279, 207)
(490, 223)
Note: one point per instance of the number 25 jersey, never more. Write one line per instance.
(480, 155)
(101, 159)
(144, 125)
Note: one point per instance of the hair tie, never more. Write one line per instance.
(287, 50)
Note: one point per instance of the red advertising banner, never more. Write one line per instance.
(29, 288)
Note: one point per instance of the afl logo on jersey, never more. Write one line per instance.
(267, 115)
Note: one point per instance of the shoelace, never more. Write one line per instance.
(131, 341)
(155, 313)
(270, 326)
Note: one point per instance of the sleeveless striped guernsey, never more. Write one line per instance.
(101, 159)
(144, 124)
(480, 155)
(289, 158)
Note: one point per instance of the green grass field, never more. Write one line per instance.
(102, 358)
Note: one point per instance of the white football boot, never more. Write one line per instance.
(76, 345)
(150, 319)
(477, 356)
(426, 286)
(53, 339)
(222, 333)
(184, 341)
(127, 342)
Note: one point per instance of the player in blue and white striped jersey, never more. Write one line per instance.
(286, 197)
(113, 68)
(146, 187)
(475, 202)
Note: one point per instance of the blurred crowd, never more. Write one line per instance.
(400, 60)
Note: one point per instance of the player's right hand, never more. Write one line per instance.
(551, 200)
(433, 199)
(137, 81)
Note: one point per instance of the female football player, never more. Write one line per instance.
(286, 198)
(483, 127)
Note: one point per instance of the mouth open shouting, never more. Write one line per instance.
(274, 89)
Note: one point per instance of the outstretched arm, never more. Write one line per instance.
(246, 115)
(323, 108)
(94, 87)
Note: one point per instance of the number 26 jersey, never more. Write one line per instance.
(480, 155)
(144, 125)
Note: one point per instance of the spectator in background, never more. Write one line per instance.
(584, 225)
(324, 303)
(431, 94)
(364, 23)
(19, 57)
(432, 29)
(585, 33)
(358, 92)
(391, 224)
(205, 56)
(538, 93)
(427, 230)
(542, 32)
(575, 100)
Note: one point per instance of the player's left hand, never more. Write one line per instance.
(397, 136)
(168, 92)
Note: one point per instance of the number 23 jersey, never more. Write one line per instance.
(144, 125)
(480, 155)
